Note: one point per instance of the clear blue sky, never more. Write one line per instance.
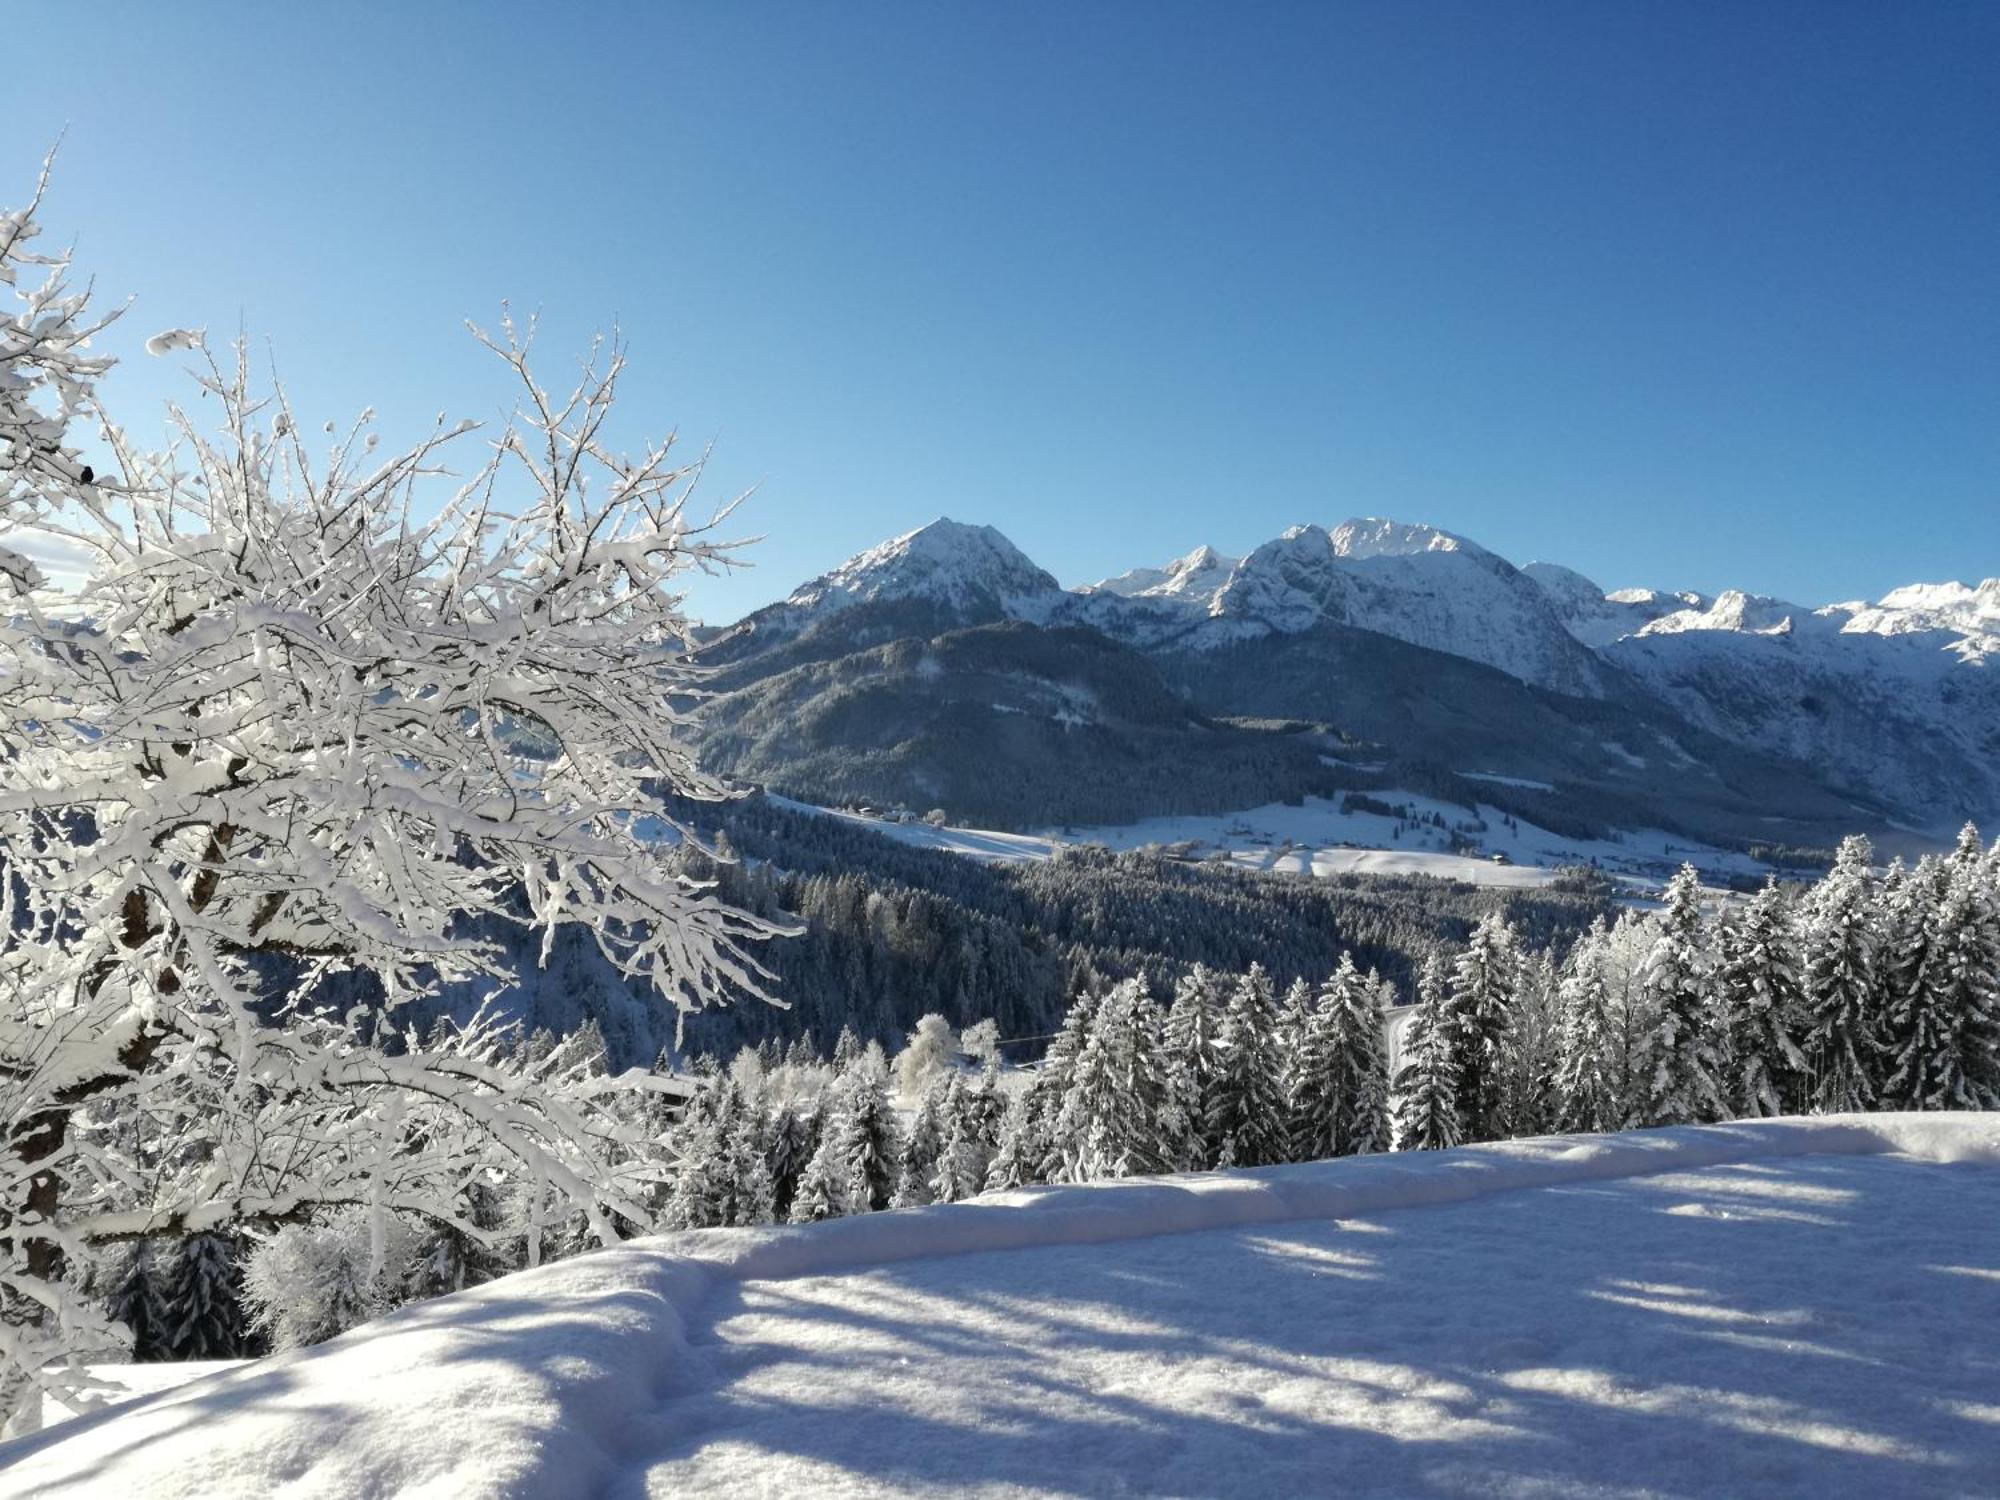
(1693, 295)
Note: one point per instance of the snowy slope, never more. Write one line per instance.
(1787, 1307)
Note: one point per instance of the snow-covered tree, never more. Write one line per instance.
(922, 1143)
(867, 1136)
(1021, 1147)
(932, 1051)
(203, 1316)
(1484, 982)
(1843, 1021)
(1942, 1021)
(305, 1283)
(1246, 1107)
(1113, 1121)
(1193, 1052)
(1589, 1052)
(1528, 1097)
(1340, 1091)
(1676, 1058)
(965, 1151)
(1052, 1080)
(1757, 990)
(1426, 1104)
(293, 748)
(137, 1297)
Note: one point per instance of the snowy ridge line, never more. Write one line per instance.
(553, 1368)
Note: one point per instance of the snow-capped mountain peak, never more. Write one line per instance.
(1198, 575)
(1377, 536)
(946, 562)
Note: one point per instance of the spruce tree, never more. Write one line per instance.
(1589, 1062)
(963, 1154)
(203, 1312)
(1110, 1124)
(1247, 1110)
(1194, 1057)
(1843, 1022)
(137, 1296)
(1528, 1087)
(1677, 1052)
(1426, 1105)
(922, 1144)
(1483, 986)
(1017, 1159)
(868, 1139)
(1943, 1022)
(794, 1139)
(1757, 988)
(823, 1190)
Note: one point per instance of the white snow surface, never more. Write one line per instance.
(1790, 1307)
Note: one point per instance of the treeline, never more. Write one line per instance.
(1860, 992)
(895, 932)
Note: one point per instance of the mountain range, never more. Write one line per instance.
(945, 668)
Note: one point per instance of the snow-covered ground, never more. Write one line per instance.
(122, 1383)
(1783, 1308)
(1319, 838)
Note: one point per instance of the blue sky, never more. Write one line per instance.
(1691, 295)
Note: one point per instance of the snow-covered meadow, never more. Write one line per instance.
(1792, 1307)
(1322, 836)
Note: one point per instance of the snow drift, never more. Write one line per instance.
(536, 1384)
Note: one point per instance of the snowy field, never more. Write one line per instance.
(1318, 838)
(1788, 1308)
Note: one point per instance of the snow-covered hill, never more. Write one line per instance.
(1786, 1308)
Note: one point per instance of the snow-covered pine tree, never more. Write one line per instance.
(1312, 1079)
(750, 1197)
(1294, 1016)
(1839, 939)
(823, 1189)
(701, 1192)
(1023, 1143)
(868, 1137)
(1943, 1022)
(1367, 1128)
(1677, 1056)
(203, 1316)
(1426, 1105)
(1110, 1123)
(1757, 989)
(794, 1138)
(963, 1154)
(846, 1050)
(138, 1296)
(1052, 1079)
(1193, 1054)
(1247, 1109)
(1484, 982)
(922, 1144)
(1589, 1045)
(1528, 1092)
